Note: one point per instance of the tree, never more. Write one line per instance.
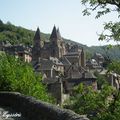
(114, 67)
(103, 7)
(101, 80)
(105, 103)
(18, 76)
(1, 22)
(97, 105)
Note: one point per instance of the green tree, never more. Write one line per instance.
(88, 55)
(18, 76)
(97, 105)
(103, 7)
(101, 80)
(114, 67)
(1, 22)
(110, 110)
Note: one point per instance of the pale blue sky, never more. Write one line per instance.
(65, 14)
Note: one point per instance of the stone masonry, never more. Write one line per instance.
(34, 109)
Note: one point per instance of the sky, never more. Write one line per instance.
(65, 14)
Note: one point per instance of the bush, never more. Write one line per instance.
(18, 76)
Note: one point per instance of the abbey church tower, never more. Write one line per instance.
(57, 44)
(37, 46)
(54, 48)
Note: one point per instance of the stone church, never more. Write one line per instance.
(62, 65)
(56, 55)
(54, 48)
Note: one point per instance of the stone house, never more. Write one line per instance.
(50, 68)
(19, 51)
(114, 80)
(86, 78)
(99, 58)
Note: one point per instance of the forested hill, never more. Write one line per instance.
(19, 35)
(113, 52)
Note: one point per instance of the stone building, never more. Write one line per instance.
(54, 48)
(19, 51)
(99, 58)
(95, 63)
(60, 63)
(114, 80)
(86, 78)
(68, 55)
(50, 68)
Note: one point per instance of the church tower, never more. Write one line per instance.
(37, 45)
(62, 44)
(83, 59)
(57, 44)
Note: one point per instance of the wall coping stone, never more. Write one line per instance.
(33, 109)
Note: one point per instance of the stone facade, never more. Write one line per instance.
(50, 68)
(96, 63)
(99, 58)
(114, 80)
(19, 51)
(59, 63)
(54, 48)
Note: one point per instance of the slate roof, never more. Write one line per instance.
(58, 34)
(65, 61)
(17, 49)
(79, 75)
(54, 33)
(76, 75)
(89, 78)
(37, 35)
(47, 64)
(56, 61)
(89, 75)
(72, 54)
(44, 64)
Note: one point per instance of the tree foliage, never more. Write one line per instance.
(17, 35)
(111, 29)
(97, 105)
(114, 67)
(101, 80)
(18, 76)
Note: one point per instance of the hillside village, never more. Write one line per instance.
(69, 71)
(61, 64)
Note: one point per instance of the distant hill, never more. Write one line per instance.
(111, 52)
(19, 35)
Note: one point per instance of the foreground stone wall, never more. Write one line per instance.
(33, 109)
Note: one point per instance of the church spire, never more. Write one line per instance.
(58, 34)
(37, 45)
(54, 33)
(37, 34)
(37, 38)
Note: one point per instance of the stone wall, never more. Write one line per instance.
(34, 109)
